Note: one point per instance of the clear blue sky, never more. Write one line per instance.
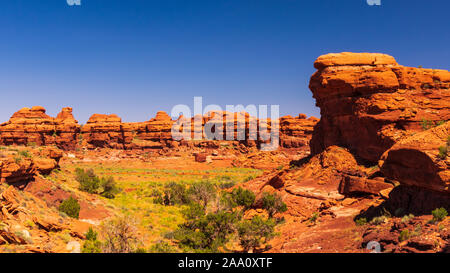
(133, 58)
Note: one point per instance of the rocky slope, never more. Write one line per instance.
(379, 153)
(27, 223)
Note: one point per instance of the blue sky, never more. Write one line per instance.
(133, 58)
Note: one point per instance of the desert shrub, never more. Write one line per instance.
(244, 198)
(89, 182)
(174, 194)
(438, 123)
(109, 186)
(404, 235)
(439, 214)
(417, 231)
(162, 247)
(91, 234)
(273, 203)
(24, 153)
(255, 232)
(202, 192)
(378, 220)
(314, 218)
(443, 150)
(407, 218)
(227, 185)
(426, 124)
(120, 235)
(91, 244)
(71, 207)
(361, 221)
(203, 232)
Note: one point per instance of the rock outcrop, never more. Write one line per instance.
(418, 161)
(296, 132)
(368, 102)
(23, 166)
(32, 126)
(108, 131)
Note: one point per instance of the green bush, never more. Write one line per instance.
(244, 198)
(439, 214)
(202, 192)
(91, 244)
(404, 235)
(89, 182)
(175, 194)
(255, 232)
(426, 124)
(361, 221)
(378, 220)
(162, 247)
(203, 232)
(443, 150)
(314, 218)
(273, 204)
(91, 234)
(71, 207)
(24, 153)
(110, 188)
(407, 218)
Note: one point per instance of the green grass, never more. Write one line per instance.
(137, 185)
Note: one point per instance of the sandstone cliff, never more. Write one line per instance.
(368, 102)
(34, 127)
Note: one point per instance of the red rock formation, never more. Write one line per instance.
(415, 161)
(108, 131)
(296, 132)
(105, 131)
(22, 167)
(368, 102)
(34, 127)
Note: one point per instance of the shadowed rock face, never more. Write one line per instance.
(368, 102)
(34, 126)
(415, 161)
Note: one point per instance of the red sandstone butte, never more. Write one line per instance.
(368, 102)
(34, 127)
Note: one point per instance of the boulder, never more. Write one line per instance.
(415, 161)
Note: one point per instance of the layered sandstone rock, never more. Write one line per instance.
(416, 160)
(24, 166)
(296, 132)
(105, 131)
(32, 126)
(108, 131)
(368, 102)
